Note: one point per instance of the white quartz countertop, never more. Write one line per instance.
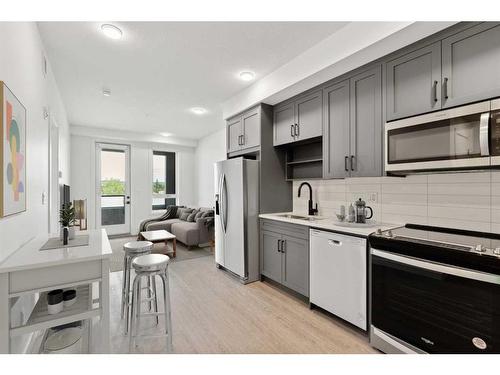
(331, 224)
(29, 255)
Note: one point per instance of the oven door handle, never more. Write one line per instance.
(484, 134)
(438, 267)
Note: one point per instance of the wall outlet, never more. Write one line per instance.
(43, 198)
(373, 197)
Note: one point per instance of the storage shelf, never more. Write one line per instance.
(40, 318)
(305, 161)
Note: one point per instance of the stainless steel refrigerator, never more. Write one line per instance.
(236, 217)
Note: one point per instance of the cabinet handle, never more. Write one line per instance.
(345, 163)
(292, 131)
(279, 246)
(296, 131)
(242, 139)
(283, 245)
(352, 162)
(435, 91)
(445, 88)
(239, 140)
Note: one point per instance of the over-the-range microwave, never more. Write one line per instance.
(461, 138)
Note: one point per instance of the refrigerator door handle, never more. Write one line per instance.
(224, 200)
(221, 203)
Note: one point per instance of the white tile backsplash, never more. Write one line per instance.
(459, 200)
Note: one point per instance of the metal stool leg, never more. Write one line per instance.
(148, 294)
(156, 299)
(168, 320)
(127, 295)
(136, 291)
(124, 290)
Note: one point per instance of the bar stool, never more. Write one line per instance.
(147, 266)
(132, 250)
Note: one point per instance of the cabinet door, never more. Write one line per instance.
(309, 116)
(366, 124)
(471, 65)
(414, 82)
(296, 264)
(283, 124)
(336, 130)
(233, 134)
(270, 256)
(251, 128)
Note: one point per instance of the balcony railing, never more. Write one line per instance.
(112, 209)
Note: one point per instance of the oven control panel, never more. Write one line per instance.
(495, 134)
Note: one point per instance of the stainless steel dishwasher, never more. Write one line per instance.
(338, 275)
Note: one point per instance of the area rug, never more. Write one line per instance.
(116, 263)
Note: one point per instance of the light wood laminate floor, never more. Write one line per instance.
(214, 313)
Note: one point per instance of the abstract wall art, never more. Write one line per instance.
(12, 153)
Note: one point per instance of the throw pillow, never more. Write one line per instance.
(191, 216)
(209, 213)
(185, 213)
(198, 215)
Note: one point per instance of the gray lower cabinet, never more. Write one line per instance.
(413, 82)
(284, 254)
(352, 140)
(243, 131)
(299, 119)
(471, 65)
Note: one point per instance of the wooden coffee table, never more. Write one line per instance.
(161, 235)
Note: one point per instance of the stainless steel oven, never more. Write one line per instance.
(466, 137)
(434, 291)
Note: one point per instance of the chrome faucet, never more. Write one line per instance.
(312, 211)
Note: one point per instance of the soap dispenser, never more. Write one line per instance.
(351, 216)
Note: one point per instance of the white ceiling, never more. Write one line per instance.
(159, 70)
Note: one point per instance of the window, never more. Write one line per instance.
(163, 184)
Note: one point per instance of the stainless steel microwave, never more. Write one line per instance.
(461, 138)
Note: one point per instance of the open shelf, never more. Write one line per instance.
(305, 161)
(40, 318)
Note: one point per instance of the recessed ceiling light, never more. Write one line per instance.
(247, 76)
(111, 31)
(198, 110)
(106, 92)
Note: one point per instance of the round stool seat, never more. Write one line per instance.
(138, 246)
(150, 262)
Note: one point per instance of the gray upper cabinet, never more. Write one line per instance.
(352, 140)
(243, 131)
(250, 122)
(299, 120)
(308, 116)
(471, 65)
(366, 124)
(336, 108)
(234, 134)
(413, 84)
(295, 273)
(283, 127)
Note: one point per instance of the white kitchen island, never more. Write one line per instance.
(30, 271)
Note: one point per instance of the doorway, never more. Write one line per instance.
(113, 188)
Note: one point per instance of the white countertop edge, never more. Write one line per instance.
(327, 223)
(29, 256)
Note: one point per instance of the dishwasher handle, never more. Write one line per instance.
(334, 242)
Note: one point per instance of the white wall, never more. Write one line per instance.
(454, 200)
(21, 69)
(83, 174)
(211, 149)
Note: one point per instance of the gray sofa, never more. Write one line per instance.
(196, 233)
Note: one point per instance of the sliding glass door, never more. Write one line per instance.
(113, 188)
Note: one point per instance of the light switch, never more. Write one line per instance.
(43, 198)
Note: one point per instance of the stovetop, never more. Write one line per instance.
(469, 249)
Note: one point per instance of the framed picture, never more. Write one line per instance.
(12, 153)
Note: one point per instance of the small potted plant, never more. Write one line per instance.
(67, 218)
